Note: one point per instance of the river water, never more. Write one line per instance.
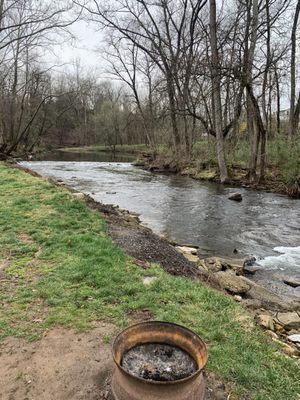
(263, 225)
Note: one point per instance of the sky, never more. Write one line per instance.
(86, 49)
(82, 48)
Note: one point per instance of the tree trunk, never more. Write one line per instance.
(277, 101)
(292, 119)
(216, 93)
(253, 131)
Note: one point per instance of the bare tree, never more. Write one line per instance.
(216, 92)
(294, 105)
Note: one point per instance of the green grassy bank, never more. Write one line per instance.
(58, 267)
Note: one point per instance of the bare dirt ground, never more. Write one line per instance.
(62, 365)
(65, 365)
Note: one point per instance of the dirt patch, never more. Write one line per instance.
(26, 239)
(63, 365)
(140, 315)
(3, 265)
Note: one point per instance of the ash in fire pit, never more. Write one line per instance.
(159, 362)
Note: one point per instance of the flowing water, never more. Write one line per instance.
(187, 211)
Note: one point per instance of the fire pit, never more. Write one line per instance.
(158, 361)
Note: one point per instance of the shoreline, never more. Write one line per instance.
(232, 277)
(238, 174)
(205, 172)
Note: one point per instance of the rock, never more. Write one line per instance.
(251, 269)
(290, 351)
(202, 266)
(294, 338)
(272, 335)
(191, 257)
(214, 264)
(80, 196)
(235, 197)
(249, 261)
(186, 250)
(207, 175)
(292, 281)
(266, 321)
(249, 266)
(237, 298)
(149, 280)
(279, 328)
(231, 282)
(289, 320)
(267, 298)
(253, 304)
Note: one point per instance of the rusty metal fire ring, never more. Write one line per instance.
(126, 386)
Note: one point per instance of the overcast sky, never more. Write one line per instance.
(83, 49)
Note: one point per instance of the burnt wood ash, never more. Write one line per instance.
(159, 362)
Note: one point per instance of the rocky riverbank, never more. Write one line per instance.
(209, 172)
(278, 315)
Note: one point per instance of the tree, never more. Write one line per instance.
(294, 105)
(216, 92)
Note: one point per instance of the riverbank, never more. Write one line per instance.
(208, 171)
(60, 268)
(282, 170)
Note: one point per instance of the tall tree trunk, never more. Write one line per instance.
(173, 115)
(277, 101)
(264, 132)
(292, 119)
(254, 132)
(216, 93)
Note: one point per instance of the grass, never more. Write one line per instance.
(61, 269)
(283, 159)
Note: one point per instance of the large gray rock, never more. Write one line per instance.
(267, 298)
(231, 282)
(289, 320)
